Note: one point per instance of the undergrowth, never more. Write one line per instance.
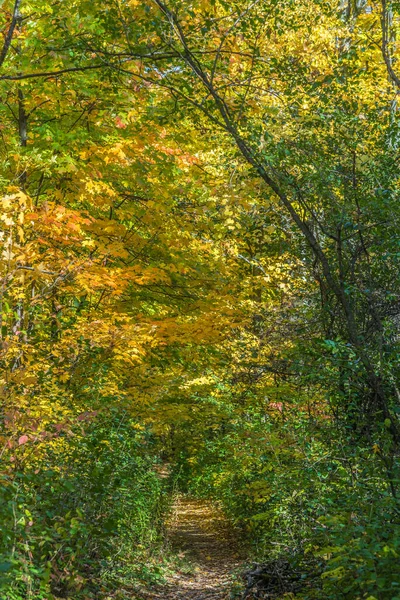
(86, 518)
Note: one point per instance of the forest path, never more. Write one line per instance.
(199, 532)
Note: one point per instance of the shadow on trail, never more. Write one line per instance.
(199, 532)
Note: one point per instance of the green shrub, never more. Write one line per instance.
(74, 523)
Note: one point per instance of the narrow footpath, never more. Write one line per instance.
(199, 532)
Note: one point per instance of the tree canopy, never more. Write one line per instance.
(199, 265)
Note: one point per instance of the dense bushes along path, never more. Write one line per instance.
(198, 531)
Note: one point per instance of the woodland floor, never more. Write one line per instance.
(199, 533)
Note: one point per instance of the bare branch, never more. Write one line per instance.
(385, 44)
(7, 42)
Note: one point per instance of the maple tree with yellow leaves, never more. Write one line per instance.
(199, 263)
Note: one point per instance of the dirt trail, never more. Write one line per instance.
(199, 531)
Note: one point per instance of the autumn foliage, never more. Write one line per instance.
(198, 264)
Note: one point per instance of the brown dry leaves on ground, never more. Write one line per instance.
(199, 532)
